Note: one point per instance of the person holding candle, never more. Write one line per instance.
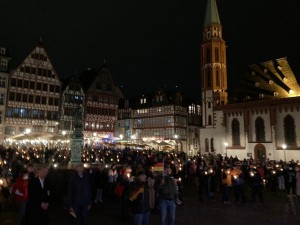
(126, 181)
(139, 200)
(112, 179)
(256, 186)
(167, 192)
(238, 184)
(226, 184)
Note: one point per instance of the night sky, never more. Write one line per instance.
(150, 44)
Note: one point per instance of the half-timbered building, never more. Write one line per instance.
(33, 97)
(101, 103)
(162, 118)
(4, 62)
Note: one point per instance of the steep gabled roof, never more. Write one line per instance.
(170, 97)
(73, 80)
(99, 80)
(38, 63)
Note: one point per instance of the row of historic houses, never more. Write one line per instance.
(37, 105)
(260, 119)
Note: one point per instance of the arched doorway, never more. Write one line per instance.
(260, 153)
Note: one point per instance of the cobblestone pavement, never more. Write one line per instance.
(278, 209)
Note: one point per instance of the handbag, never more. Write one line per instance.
(119, 189)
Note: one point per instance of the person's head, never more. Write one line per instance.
(24, 174)
(113, 166)
(127, 172)
(42, 171)
(79, 168)
(141, 176)
(168, 169)
(101, 166)
(30, 168)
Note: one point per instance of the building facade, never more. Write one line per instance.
(33, 97)
(164, 119)
(261, 119)
(4, 63)
(101, 104)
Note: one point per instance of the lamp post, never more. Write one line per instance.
(284, 147)
(226, 144)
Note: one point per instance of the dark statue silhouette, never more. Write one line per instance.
(78, 123)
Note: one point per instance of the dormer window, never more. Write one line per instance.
(159, 98)
(2, 51)
(3, 64)
(143, 100)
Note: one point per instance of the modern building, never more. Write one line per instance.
(34, 89)
(261, 119)
(4, 69)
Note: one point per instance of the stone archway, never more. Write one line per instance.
(260, 153)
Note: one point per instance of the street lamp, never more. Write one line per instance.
(27, 131)
(176, 136)
(226, 144)
(284, 147)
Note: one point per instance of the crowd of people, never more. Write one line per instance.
(131, 177)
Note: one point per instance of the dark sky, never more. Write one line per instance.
(150, 43)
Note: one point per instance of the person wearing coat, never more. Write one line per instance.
(38, 198)
(79, 195)
(297, 169)
(139, 200)
(20, 193)
(151, 190)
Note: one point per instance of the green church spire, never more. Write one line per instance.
(211, 14)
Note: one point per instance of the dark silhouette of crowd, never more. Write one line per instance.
(126, 176)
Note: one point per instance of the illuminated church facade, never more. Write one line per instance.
(262, 119)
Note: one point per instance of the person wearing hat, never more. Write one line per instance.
(79, 195)
(139, 200)
(167, 193)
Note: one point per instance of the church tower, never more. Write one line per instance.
(213, 64)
